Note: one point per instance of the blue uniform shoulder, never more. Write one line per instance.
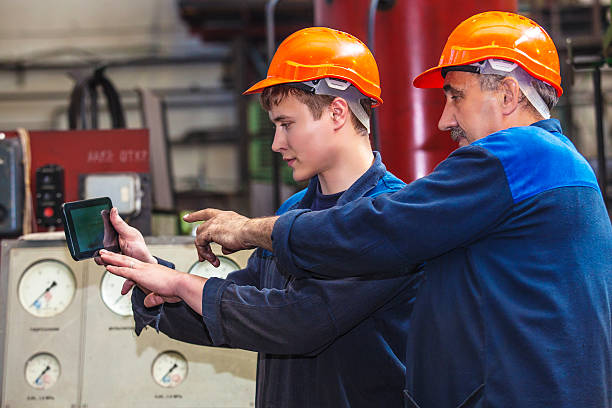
(388, 183)
(536, 160)
(291, 202)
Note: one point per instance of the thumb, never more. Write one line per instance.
(120, 226)
(127, 286)
(153, 299)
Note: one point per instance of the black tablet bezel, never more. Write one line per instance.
(69, 230)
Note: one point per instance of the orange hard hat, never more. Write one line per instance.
(498, 35)
(320, 52)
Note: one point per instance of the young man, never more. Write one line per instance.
(515, 307)
(321, 343)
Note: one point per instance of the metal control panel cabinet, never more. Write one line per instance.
(67, 338)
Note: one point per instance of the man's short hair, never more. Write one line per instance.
(492, 82)
(274, 95)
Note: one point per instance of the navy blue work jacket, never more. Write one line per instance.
(321, 343)
(515, 306)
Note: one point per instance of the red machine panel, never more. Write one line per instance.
(409, 36)
(87, 151)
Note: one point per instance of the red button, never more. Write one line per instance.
(48, 212)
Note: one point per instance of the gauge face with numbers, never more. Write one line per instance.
(46, 288)
(42, 371)
(206, 270)
(169, 369)
(110, 291)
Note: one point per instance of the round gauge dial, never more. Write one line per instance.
(206, 270)
(169, 369)
(42, 371)
(110, 290)
(46, 288)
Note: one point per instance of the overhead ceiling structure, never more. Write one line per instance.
(223, 20)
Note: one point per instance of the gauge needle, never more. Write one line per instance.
(170, 370)
(41, 374)
(51, 286)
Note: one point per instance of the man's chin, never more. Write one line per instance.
(463, 142)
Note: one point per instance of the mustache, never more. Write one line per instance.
(457, 133)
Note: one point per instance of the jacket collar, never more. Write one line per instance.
(365, 183)
(550, 125)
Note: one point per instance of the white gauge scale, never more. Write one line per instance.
(110, 291)
(46, 288)
(42, 371)
(207, 270)
(169, 369)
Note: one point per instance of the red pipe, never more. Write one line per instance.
(409, 39)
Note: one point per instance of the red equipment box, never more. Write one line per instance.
(82, 152)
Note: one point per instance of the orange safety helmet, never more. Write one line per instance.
(320, 52)
(498, 35)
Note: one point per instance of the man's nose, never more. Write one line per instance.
(447, 120)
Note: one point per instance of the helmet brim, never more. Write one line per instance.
(432, 78)
(265, 83)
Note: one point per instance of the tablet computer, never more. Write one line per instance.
(88, 228)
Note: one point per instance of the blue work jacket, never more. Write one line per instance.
(321, 343)
(515, 306)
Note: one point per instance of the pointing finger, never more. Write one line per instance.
(201, 215)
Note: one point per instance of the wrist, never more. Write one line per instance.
(180, 282)
(189, 288)
(258, 232)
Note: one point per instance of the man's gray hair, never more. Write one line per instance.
(492, 82)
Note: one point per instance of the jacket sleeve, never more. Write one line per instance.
(463, 198)
(300, 319)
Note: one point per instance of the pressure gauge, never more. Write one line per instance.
(169, 369)
(207, 270)
(46, 288)
(110, 290)
(42, 371)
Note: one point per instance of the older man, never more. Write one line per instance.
(515, 309)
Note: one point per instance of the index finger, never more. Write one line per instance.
(201, 215)
(116, 259)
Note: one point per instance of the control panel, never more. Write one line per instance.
(49, 194)
(67, 337)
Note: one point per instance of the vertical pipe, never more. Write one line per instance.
(239, 50)
(408, 39)
(372, 46)
(601, 156)
(596, 17)
(270, 36)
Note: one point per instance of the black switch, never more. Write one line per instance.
(49, 194)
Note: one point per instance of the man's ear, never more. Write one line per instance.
(510, 95)
(340, 112)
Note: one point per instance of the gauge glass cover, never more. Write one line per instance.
(42, 371)
(110, 291)
(46, 288)
(169, 369)
(207, 270)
